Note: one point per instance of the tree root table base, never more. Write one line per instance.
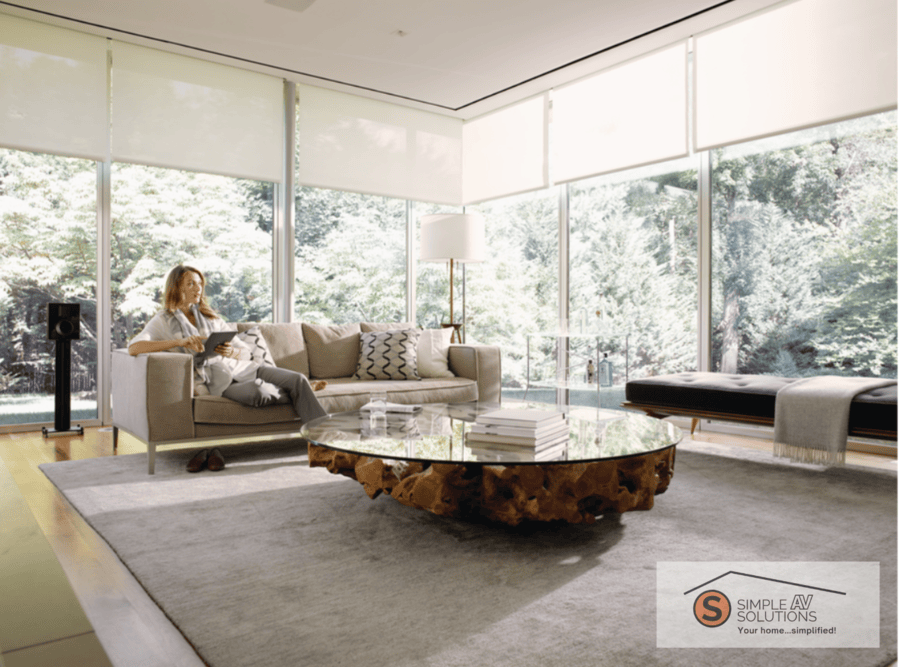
(573, 492)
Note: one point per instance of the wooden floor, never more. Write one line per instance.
(131, 628)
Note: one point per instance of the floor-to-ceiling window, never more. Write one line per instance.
(48, 254)
(805, 252)
(515, 292)
(633, 270)
(349, 257)
(164, 217)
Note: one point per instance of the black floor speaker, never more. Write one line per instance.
(63, 326)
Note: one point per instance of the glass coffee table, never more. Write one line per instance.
(614, 461)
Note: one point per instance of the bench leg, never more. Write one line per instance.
(151, 459)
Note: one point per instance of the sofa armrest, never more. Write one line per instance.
(480, 363)
(152, 395)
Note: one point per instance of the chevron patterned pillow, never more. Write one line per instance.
(388, 355)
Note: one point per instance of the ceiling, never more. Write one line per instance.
(458, 57)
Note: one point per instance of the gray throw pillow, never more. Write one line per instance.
(388, 355)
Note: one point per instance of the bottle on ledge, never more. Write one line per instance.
(605, 371)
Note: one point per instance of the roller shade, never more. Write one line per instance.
(626, 116)
(352, 143)
(505, 152)
(173, 111)
(52, 89)
(797, 65)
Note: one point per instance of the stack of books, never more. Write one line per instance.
(519, 434)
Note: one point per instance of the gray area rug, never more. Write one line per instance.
(271, 563)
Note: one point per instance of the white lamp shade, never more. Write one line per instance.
(456, 236)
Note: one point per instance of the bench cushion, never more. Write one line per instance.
(751, 396)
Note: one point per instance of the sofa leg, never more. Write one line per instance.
(694, 423)
(151, 459)
(115, 438)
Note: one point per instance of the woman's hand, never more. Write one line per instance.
(226, 350)
(194, 343)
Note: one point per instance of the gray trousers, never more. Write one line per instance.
(275, 385)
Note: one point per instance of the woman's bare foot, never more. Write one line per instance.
(319, 385)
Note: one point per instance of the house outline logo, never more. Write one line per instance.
(712, 608)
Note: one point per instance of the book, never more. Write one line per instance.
(476, 441)
(551, 429)
(504, 457)
(520, 440)
(521, 417)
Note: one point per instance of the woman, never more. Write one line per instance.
(182, 326)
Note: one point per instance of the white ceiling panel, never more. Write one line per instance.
(459, 57)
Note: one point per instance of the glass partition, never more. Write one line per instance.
(633, 272)
(516, 291)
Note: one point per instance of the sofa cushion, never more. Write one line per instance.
(333, 349)
(388, 355)
(221, 410)
(286, 344)
(432, 351)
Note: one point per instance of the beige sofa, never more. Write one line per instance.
(153, 396)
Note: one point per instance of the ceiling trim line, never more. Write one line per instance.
(597, 53)
(366, 88)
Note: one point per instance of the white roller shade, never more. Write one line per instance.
(351, 143)
(800, 64)
(173, 111)
(505, 152)
(52, 89)
(626, 116)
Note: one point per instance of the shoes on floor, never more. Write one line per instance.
(198, 462)
(216, 461)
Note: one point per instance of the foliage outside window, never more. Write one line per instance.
(162, 217)
(48, 254)
(350, 257)
(805, 252)
(516, 291)
(633, 268)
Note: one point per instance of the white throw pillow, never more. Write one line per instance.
(259, 349)
(434, 346)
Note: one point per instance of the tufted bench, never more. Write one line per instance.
(749, 399)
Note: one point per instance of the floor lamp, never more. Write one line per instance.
(453, 237)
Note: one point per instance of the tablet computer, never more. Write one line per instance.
(215, 339)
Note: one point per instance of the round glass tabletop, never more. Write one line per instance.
(437, 433)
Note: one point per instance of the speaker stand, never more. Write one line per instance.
(62, 424)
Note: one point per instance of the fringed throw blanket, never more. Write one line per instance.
(812, 415)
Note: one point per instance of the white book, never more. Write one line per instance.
(527, 440)
(522, 417)
(506, 457)
(477, 441)
(551, 428)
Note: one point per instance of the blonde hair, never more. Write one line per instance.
(172, 296)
